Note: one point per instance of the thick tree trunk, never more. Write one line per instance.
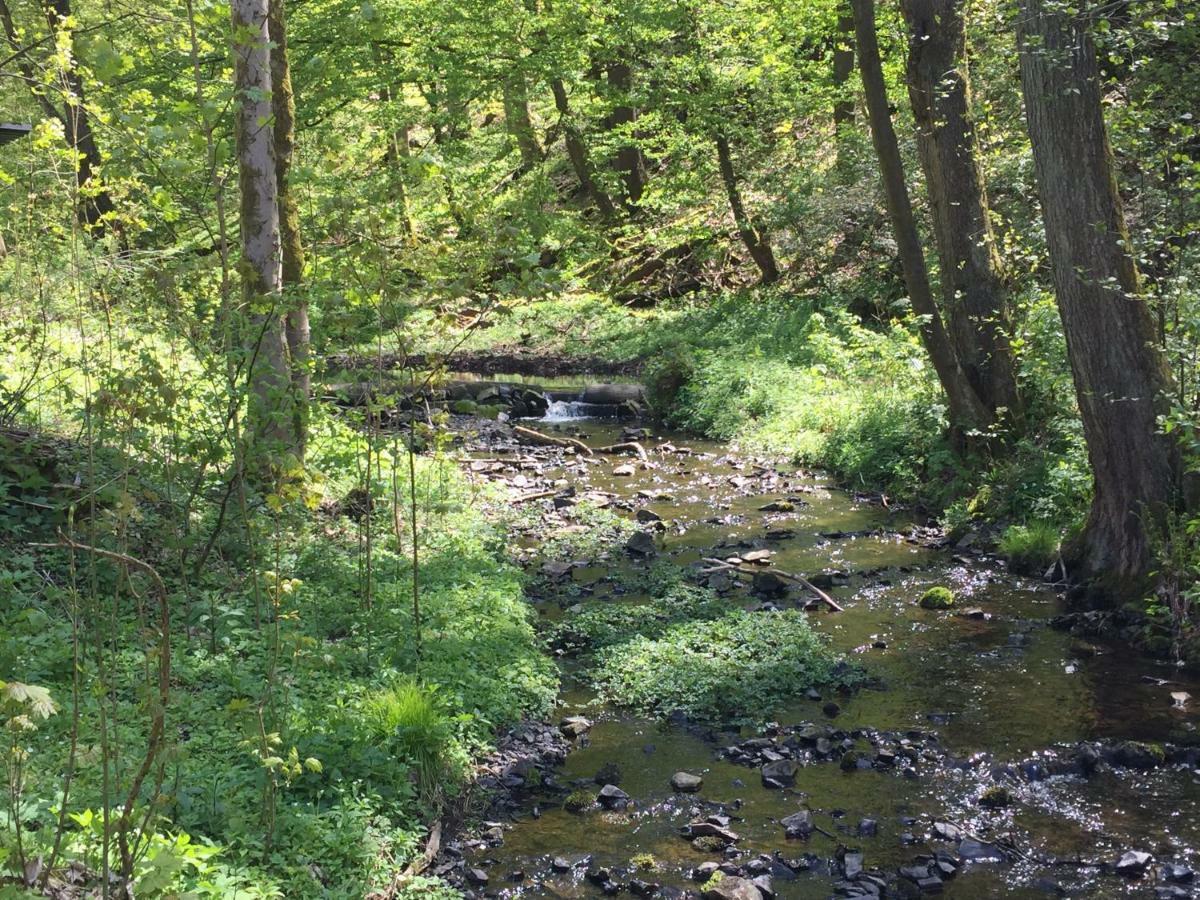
(94, 200)
(967, 411)
(296, 327)
(261, 269)
(755, 239)
(974, 295)
(519, 122)
(1121, 377)
(629, 161)
(578, 153)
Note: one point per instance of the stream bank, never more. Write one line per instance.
(990, 755)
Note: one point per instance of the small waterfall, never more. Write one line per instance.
(570, 410)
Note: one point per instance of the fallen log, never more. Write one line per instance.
(537, 437)
(625, 447)
(720, 565)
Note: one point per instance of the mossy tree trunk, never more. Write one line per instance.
(296, 327)
(271, 424)
(967, 411)
(974, 296)
(1121, 377)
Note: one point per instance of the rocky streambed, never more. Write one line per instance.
(984, 752)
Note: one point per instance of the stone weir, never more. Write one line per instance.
(490, 398)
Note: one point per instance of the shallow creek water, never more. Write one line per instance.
(1005, 685)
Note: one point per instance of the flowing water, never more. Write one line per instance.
(999, 683)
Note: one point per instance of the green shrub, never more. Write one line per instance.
(736, 668)
(1030, 549)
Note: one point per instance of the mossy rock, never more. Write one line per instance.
(937, 598)
(644, 862)
(488, 411)
(996, 797)
(578, 801)
(850, 760)
(708, 844)
(465, 407)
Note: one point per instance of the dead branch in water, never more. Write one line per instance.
(721, 565)
(537, 437)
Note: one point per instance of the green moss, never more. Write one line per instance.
(465, 407)
(937, 598)
(578, 800)
(644, 862)
(708, 844)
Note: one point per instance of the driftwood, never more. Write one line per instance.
(721, 565)
(536, 495)
(537, 437)
(626, 447)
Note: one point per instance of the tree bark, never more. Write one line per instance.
(578, 153)
(967, 411)
(974, 295)
(518, 120)
(756, 240)
(269, 369)
(1121, 377)
(629, 161)
(95, 203)
(296, 327)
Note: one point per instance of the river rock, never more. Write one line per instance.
(731, 887)
(1132, 863)
(645, 516)
(977, 851)
(686, 783)
(641, 543)
(612, 797)
(706, 829)
(944, 831)
(778, 506)
(780, 774)
(624, 471)
(798, 825)
(574, 726)
(769, 583)
(1178, 874)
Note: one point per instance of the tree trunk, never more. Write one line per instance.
(629, 161)
(269, 369)
(1121, 377)
(94, 200)
(966, 409)
(843, 103)
(974, 296)
(755, 239)
(296, 328)
(519, 122)
(578, 153)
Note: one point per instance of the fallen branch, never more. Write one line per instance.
(536, 495)
(536, 437)
(626, 447)
(721, 565)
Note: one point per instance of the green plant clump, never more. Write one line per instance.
(736, 668)
(1030, 549)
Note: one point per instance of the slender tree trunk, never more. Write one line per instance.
(974, 295)
(296, 327)
(95, 202)
(1121, 377)
(756, 240)
(629, 161)
(577, 151)
(966, 409)
(843, 103)
(519, 122)
(261, 268)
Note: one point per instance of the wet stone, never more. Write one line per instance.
(641, 543)
(612, 797)
(1132, 863)
(1178, 874)
(798, 825)
(574, 726)
(944, 831)
(686, 783)
(867, 828)
(977, 851)
(780, 774)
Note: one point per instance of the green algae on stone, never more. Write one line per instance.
(937, 598)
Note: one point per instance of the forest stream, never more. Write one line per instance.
(1077, 748)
